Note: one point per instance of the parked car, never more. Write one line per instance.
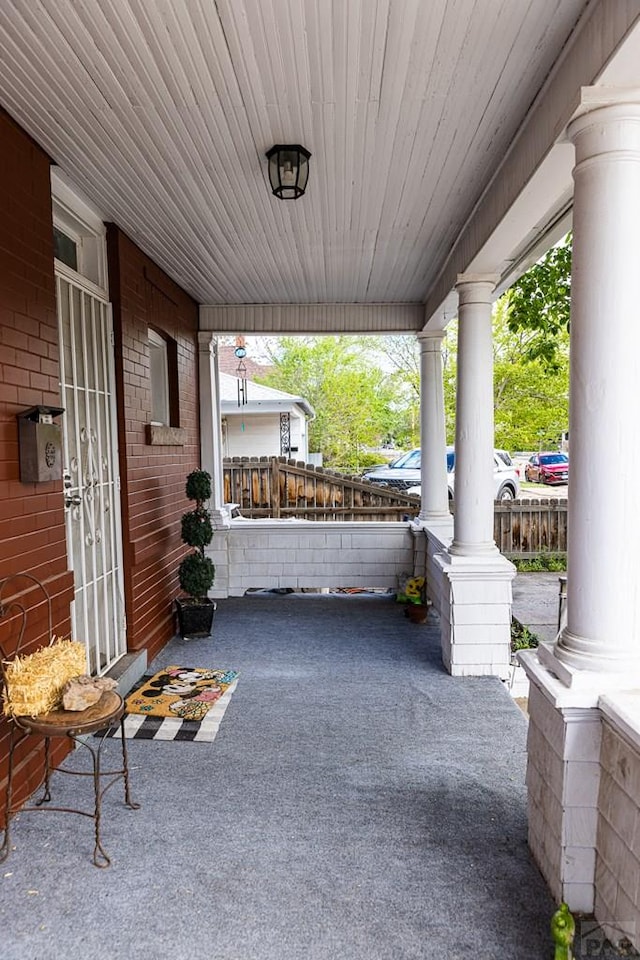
(404, 474)
(551, 467)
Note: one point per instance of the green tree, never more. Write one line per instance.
(530, 395)
(399, 356)
(531, 392)
(540, 303)
(352, 397)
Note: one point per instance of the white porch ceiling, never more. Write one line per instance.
(160, 112)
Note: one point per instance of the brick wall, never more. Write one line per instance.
(32, 534)
(152, 476)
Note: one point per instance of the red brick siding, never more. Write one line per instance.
(32, 535)
(152, 477)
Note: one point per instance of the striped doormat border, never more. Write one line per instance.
(140, 727)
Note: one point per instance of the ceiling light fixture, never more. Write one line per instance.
(288, 170)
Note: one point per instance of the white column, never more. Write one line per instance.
(475, 588)
(435, 499)
(473, 495)
(210, 423)
(599, 649)
(603, 593)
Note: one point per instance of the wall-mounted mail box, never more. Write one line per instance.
(40, 444)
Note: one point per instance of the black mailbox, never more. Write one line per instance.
(40, 443)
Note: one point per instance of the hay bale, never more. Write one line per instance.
(35, 682)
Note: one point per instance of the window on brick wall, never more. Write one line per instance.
(163, 373)
(159, 373)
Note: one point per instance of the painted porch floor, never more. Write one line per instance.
(357, 804)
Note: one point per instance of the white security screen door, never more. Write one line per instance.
(91, 475)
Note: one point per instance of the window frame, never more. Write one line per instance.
(161, 394)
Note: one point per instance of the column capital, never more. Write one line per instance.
(207, 342)
(430, 340)
(476, 287)
(606, 124)
(627, 99)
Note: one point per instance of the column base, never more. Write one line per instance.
(581, 654)
(475, 614)
(440, 523)
(487, 549)
(220, 519)
(577, 687)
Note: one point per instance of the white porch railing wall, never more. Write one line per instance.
(617, 901)
(297, 553)
(583, 778)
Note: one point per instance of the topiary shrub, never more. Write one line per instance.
(197, 572)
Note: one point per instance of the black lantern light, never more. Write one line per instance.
(288, 170)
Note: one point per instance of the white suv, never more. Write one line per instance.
(404, 474)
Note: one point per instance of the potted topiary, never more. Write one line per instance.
(197, 572)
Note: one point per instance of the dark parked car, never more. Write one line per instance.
(547, 468)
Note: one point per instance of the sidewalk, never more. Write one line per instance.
(535, 603)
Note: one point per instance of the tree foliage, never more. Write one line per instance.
(352, 397)
(399, 356)
(530, 395)
(540, 303)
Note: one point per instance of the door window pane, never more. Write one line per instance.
(65, 249)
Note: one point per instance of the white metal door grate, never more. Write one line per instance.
(92, 505)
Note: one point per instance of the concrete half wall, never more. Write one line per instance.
(299, 553)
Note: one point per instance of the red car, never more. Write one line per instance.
(547, 468)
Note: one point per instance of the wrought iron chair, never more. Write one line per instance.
(98, 720)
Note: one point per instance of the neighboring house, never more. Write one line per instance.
(270, 423)
(228, 363)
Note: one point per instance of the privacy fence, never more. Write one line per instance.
(526, 528)
(276, 487)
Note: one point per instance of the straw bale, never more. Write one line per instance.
(35, 682)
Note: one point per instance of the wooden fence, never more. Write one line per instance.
(526, 528)
(276, 487)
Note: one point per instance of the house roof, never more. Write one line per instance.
(228, 363)
(435, 129)
(260, 399)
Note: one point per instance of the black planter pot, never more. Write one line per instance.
(195, 617)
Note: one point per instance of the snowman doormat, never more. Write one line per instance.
(179, 703)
